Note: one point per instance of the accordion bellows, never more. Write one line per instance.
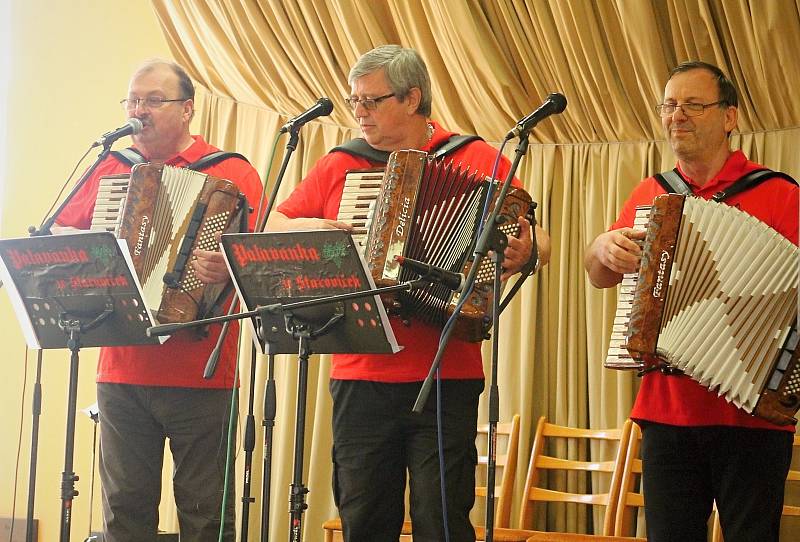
(716, 297)
(430, 211)
(164, 213)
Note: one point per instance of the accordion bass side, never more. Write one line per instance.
(716, 298)
(166, 213)
(429, 211)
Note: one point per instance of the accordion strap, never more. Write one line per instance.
(129, 156)
(359, 147)
(132, 157)
(751, 180)
(674, 183)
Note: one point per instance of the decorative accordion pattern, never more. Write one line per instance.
(715, 297)
(166, 213)
(429, 211)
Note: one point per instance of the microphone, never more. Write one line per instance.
(132, 127)
(554, 104)
(322, 108)
(449, 279)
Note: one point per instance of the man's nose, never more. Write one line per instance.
(360, 111)
(679, 114)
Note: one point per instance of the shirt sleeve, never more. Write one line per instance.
(786, 216)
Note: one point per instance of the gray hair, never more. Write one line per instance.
(404, 70)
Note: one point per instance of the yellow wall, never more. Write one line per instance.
(70, 66)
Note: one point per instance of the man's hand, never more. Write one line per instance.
(210, 266)
(613, 254)
(518, 251)
(279, 222)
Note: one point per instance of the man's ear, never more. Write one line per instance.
(413, 99)
(188, 109)
(731, 118)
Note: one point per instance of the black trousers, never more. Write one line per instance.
(135, 421)
(685, 469)
(377, 440)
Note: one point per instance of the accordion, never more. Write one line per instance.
(716, 298)
(428, 211)
(164, 213)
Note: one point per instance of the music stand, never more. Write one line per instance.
(73, 291)
(271, 270)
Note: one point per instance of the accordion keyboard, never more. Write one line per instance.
(618, 356)
(110, 201)
(357, 207)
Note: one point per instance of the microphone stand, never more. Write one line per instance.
(493, 239)
(37, 389)
(270, 401)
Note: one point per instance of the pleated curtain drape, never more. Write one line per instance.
(258, 63)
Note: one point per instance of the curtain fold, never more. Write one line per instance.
(492, 62)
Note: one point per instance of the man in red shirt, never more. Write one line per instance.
(149, 393)
(697, 447)
(376, 436)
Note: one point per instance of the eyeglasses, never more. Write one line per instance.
(689, 109)
(151, 102)
(370, 104)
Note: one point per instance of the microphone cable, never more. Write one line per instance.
(64, 186)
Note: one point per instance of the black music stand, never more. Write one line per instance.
(271, 270)
(73, 291)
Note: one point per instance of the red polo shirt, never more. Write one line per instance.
(180, 361)
(679, 400)
(318, 196)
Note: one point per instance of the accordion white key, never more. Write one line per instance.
(716, 298)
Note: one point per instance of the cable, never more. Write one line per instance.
(448, 324)
(228, 458)
(262, 203)
(440, 443)
(66, 183)
(19, 447)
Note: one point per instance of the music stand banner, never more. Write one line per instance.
(79, 277)
(286, 267)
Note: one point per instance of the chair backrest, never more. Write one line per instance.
(506, 455)
(562, 470)
(631, 498)
(793, 476)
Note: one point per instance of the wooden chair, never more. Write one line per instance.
(789, 510)
(506, 460)
(631, 499)
(550, 437)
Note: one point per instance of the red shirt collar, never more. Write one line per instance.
(735, 167)
(193, 153)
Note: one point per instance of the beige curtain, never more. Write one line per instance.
(493, 61)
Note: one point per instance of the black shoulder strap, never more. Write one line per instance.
(673, 182)
(129, 156)
(132, 157)
(359, 147)
(214, 158)
(454, 143)
(751, 180)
